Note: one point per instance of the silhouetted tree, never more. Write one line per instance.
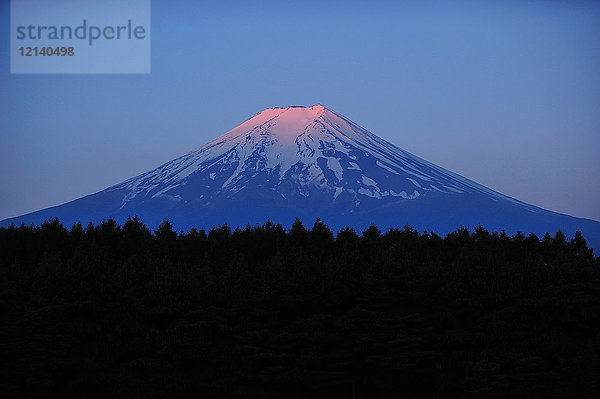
(111, 310)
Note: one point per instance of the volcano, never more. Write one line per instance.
(309, 162)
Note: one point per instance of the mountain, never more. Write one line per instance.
(309, 162)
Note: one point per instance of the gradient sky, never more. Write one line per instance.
(506, 93)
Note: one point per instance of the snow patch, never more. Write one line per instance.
(369, 193)
(413, 181)
(164, 190)
(386, 168)
(455, 190)
(368, 181)
(335, 166)
(404, 195)
(353, 166)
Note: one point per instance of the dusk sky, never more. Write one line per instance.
(505, 93)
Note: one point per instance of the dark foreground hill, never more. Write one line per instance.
(118, 311)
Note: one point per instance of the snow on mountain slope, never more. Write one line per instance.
(294, 151)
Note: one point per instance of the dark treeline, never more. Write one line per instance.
(120, 311)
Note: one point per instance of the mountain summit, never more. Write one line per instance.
(302, 153)
(309, 162)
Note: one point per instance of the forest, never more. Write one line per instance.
(121, 311)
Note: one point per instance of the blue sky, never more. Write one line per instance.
(506, 93)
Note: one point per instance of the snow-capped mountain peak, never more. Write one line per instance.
(298, 152)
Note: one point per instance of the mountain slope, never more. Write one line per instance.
(309, 162)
